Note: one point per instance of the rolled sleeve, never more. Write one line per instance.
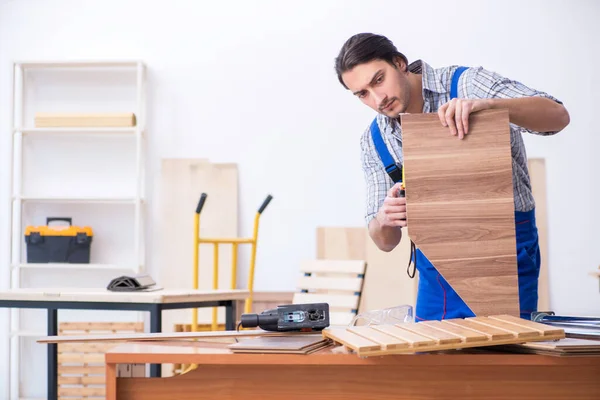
(489, 84)
(376, 180)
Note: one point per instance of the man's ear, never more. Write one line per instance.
(399, 62)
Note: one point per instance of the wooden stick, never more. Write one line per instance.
(165, 336)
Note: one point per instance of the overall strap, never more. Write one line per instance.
(393, 169)
(454, 85)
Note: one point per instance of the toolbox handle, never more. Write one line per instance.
(50, 219)
(201, 203)
(265, 204)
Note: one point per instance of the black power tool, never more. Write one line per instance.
(292, 317)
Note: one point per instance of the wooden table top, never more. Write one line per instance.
(206, 352)
(162, 296)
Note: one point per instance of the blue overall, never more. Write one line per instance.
(436, 300)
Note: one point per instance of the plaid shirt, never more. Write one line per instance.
(474, 83)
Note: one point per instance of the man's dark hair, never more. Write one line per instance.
(362, 48)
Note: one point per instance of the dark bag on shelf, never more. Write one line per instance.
(59, 244)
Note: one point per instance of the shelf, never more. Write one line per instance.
(73, 266)
(79, 131)
(85, 199)
(27, 334)
(79, 64)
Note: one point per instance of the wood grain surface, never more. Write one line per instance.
(460, 207)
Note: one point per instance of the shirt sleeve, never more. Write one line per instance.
(489, 84)
(376, 179)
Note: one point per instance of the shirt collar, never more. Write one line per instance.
(431, 80)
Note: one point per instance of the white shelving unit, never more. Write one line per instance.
(23, 129)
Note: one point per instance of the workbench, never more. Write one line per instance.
(328, 374)
(101, 299)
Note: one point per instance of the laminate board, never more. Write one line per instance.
(460, 207)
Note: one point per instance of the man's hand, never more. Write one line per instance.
(393, 211)
(455, 114)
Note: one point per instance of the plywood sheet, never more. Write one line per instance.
(537, 173)
(341, 243)
(182, 181)
(460, 207)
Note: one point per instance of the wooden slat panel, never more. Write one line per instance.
(386, 341)
(333, 266)
(412, 338)
(467, 335)
(319, 283)
(334, 300)
(546, 330)
(466, 187)
(352, 340)
(519, 331)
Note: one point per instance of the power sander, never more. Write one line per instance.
(291, 317)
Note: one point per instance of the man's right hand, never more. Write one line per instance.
(393, 211)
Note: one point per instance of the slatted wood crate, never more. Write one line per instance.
(81, 365)
(375, 340)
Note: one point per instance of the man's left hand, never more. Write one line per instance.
(455, 114)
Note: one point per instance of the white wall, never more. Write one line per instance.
(253, 83)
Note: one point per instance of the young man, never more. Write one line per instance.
(373, 69)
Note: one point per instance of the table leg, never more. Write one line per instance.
(155, 327)
(52, 355)
(111, 381)
(230, 312)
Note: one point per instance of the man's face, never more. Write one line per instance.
(381, 86)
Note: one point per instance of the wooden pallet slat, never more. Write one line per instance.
(354, 341)
(440, 337)
(545, 330)
(414, 340)
(467, 335)
(492, 333)
(386, 341)
(519, 331)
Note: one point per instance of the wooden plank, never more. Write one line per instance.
(386, 341)
(341, 243)
(545, 330)
(323, 283)
(491, 333)
(467, 335)
(76, 369)
(100, 326)
(333, 266)
(537, 173)
(182, 181)
(158, 336)
(465, 186)
(80, 358)
(519, 331)
(81, 391)
(51, 120)
(349, 301)
(352, 340)
(413, 339)
(81, 380)
(440, 337)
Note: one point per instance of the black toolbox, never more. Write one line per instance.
(58, 244)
